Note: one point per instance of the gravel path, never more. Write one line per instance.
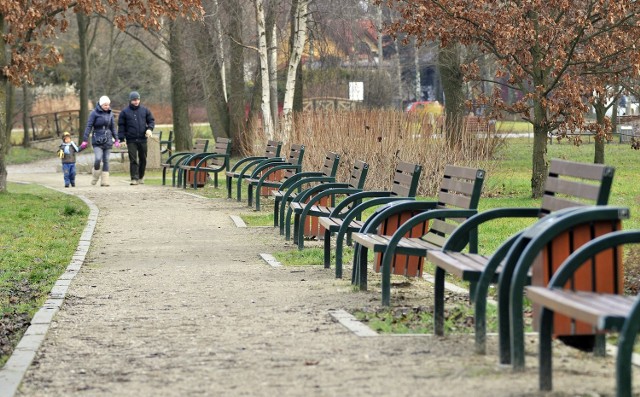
(174, 300)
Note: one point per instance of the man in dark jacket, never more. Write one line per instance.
(135, 125)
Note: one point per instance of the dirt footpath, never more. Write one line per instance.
(174, 300)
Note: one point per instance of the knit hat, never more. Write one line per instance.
(134, 95)
(104, 100)
(66, 133)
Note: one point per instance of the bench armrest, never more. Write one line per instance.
(264, 165)
(247, 167)
(454, 243)
(177, 157)
(524, 251)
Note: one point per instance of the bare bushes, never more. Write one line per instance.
(382, 138)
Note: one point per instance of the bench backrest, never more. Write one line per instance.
(272, 149)
(222, 146)
(460, 188)
(358, 174)
(405, 179)
(571, 184)
(330, 165)
(200, 146)
(296, 154)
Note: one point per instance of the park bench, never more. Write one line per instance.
(569, 185)
(270, 176)
(166, 145)
(199, 146)
(244, 167)
(601, 311)
(354, 184)
(405, 184)
(412, 228)
(288, 190)
(194, 170)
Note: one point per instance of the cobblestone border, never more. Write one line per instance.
(15, 368)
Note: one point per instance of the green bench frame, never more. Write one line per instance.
(293, 186)
(209, 162)
(243, 168)
(176, 159)
(457, 200)
(569, 186)
(405, 184)
(605, 312)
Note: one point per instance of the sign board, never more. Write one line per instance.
(356, 90)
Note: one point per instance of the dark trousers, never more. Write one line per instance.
(137, 159)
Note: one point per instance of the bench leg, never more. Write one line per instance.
(229, 181)
(626, 342)
(250, 195)
(359, 271)
(239, 189)
(287, 224)
(276, 212)
(164, 176)
(327, 251)
(438, 306)
(545, 350)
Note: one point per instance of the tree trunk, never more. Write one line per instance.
(299, 39)
(212, 79)
(179, 96)
(379, 29)
(236, 89)
(221, 56)
(540, 164)
(272, 42)
(295, 19)
(267, 124)
(601, 115)
(416, 65)
(452, 84)
(83, 49)
(26, 111)
(5, 139)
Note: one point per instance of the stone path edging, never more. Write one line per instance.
(14, 369)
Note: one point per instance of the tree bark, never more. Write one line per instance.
(601, 114)
(83, 49)
(272, 42)
(452, 84)
(5, 139)
(236, 89)
(416, 65)
(298, 83)
(212, 79)
(179, 96)
(539, 161)
(299, 39)
(26, 111)
(263, 52)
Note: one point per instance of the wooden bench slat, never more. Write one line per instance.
(454, 200)
(456, 185)
(577, 170)
(572, 188)
(582, 305)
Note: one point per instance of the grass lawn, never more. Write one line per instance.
(28, 274)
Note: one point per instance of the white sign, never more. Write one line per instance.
(356, 90)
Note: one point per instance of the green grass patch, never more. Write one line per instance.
(41, 230)
(20, 155)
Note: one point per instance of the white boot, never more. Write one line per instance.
(105, 179)
(96, 176)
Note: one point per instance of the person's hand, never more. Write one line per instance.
(117, 143)
(83, 145)
(148, 133)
